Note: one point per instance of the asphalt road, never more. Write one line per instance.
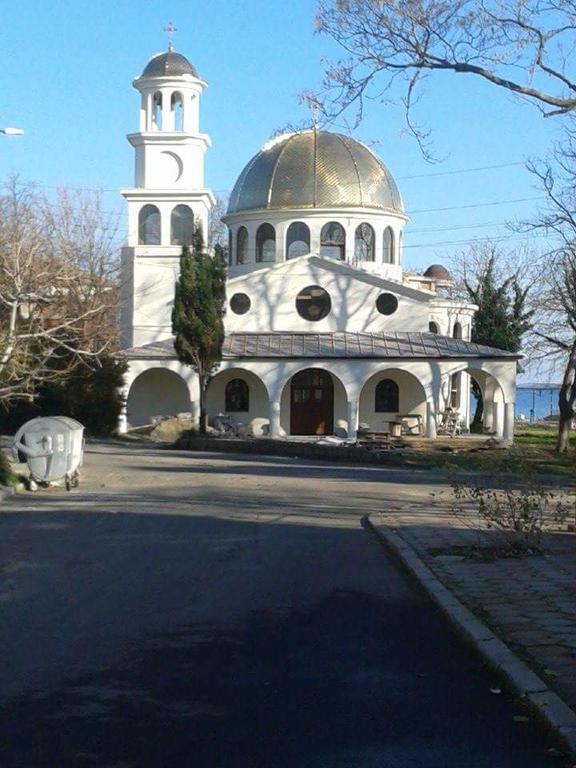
(226, 612)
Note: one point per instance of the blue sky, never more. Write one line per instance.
(68, 68)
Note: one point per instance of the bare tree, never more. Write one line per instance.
(522, 46)
(554, 334)
(217, 230)
(58, 293)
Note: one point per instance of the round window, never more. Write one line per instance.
(240, 303)
(313, 303)
(386, 303)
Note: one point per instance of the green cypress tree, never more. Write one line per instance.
(501, 320)
(197, 322)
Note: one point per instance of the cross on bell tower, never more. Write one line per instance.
(170, 29)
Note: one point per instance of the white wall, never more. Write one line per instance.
(273, 294)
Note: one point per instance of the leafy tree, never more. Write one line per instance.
(197, 322)
(502, 318)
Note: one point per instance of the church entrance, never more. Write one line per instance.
(312, 403)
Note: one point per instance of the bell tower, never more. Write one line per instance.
(168, 198)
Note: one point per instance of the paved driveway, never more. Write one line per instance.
(206, 610)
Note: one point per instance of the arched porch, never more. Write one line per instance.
(314, 402)
(241, 394)
(389, 394)
(156, 392)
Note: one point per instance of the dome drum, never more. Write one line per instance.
(330, 234)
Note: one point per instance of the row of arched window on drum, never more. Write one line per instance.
(386, 396)
(332, 243)
(150, 225)
(456, 331)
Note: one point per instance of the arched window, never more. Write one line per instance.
(149, 225)
(364, 243)
(242, 246)
(181, 225)
(333, 241)
(266, 243)
(157, 112)
(387, 397)
(237, 396)
(433, 327)
(388, 246)
(457, 332)
(177, 111)
(297, 240)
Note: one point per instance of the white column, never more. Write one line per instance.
(274, 429)
(353, 411)
(430, 420)
(508, 433)
(498, 425)
(122, 427)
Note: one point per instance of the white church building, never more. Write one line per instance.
(325, 331)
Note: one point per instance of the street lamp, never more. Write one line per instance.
(12, 131)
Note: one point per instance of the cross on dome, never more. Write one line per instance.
(170, 29)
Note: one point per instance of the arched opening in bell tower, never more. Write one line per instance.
(157, 112)
(181, 225)
(177, 111)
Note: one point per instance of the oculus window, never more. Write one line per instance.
(313, 303)
(240, 303)
(386, 303)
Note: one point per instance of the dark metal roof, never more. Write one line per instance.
(168, 64)
(374, 346)
(438, 272)
(314, 169)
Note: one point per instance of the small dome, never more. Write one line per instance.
(168, 64)
(315, 169)
(438, 272)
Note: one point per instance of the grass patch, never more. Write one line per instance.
(534, 448)
(7, 477)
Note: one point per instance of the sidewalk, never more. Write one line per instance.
(528, 602)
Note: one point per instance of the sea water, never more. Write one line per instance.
(536, 404)
(532, 403)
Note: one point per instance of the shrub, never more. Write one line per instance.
(522, 514)
(7, 477)
(90, 395)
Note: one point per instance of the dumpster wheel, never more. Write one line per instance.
(73, 480)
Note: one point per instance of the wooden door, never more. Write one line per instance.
(312, 403)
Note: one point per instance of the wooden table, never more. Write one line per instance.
(411, 429)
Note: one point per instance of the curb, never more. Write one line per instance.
(6, 492)
(525, 682)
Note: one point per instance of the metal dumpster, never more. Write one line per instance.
(53, 447)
